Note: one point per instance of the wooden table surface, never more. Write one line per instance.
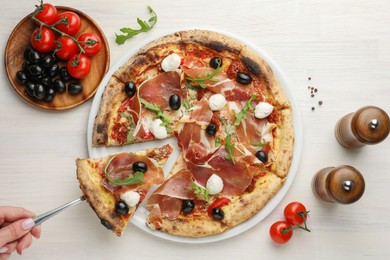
(343, 45)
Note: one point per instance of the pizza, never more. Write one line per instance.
(225, 108)
(115, 185)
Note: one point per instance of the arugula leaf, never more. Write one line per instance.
(242, 114)
(130, 132)
(258, 144)
(138, 177)
(217, 142)
(229, 148)
(145, 26)
(209, 76)
(155, 109)
(186, 104)
(200, 191)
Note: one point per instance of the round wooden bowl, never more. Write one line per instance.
(19, 40)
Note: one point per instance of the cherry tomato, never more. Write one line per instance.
(79, 66)
(42, 39)
(295, 213)
(65, 48)
(281, 232)
(91, 43)
(218, 203)
(72, 23)
(48, 14)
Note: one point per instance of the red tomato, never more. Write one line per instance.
(48, 14)
(71, 24)
(91, 43)
(65, 48)
(218, 203)
(79, 66)
(295, 213)
(281, 232)
(42, 39)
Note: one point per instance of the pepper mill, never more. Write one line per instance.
(343, 184)
(368, 125)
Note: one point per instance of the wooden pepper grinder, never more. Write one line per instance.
(368, 125)
(343, 184)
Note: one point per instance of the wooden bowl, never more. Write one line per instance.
(19, 40)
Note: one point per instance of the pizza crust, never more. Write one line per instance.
(101, 200)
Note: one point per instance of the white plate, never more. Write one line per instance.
(141, 214)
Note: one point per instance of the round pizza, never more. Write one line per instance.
(223, 105)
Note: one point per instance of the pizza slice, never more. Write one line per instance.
(116, 185)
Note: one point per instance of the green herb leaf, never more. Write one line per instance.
(242, 114)
(200, 191)
(131, 128)
(259, 144)
(136, 178)
(229, 148)
(217, 142)
(145, 26)
(155, 109)
(209, 76)
(186, 104)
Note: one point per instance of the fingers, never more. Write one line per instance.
(11, 214)
(24, 243)
(4, 256)
(15, 230)
(36, 232)
(7, 250)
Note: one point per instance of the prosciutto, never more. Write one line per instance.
(169, 195)
(236, 176)
(157, 90)
(120, 167)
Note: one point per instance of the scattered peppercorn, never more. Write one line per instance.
(320, 102)
(309, 78)
(313, 108)
(312, 95)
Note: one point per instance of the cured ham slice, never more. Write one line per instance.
(169, 195)
(236, 176)
(157, 90)
(120, 167)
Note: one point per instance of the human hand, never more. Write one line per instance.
(16, 230)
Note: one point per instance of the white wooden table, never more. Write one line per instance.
(344, 46)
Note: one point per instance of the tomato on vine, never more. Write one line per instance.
(91, 43)
(47, 13)
(281, 232)
(79, 66)
(65, 48)
(295, 213)
(69, 23)
(42, 39)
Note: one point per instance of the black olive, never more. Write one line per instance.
(122, 207)
(39, 91)
(34, 56)
(59, 86)
(262, 156)
(211, 129)
(75, 88)
(64, 74)
(174, 101)
(30, 89)
(49, 95)
(53, 70)
(217, 213)
(214, 62)
(26, 53)
(243, 78)
(47, 61)
(21, 76)
(26, 65)
(130, 88)
(46, 81)
(187, 206)
(35, 69)
(37, 78)
(140, 167)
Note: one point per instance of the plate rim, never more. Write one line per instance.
(70, 106)
(137, 219)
